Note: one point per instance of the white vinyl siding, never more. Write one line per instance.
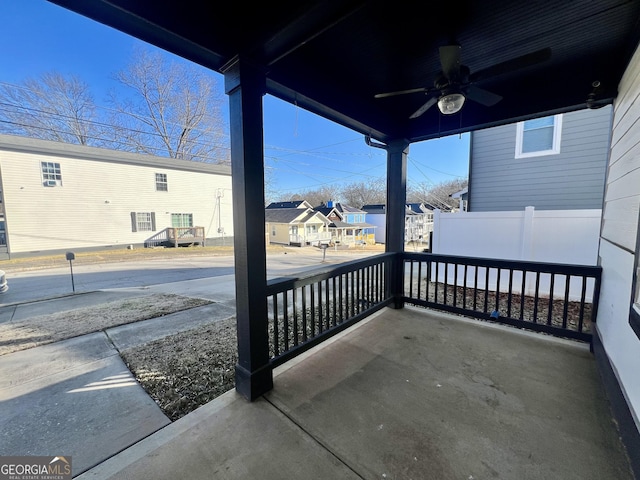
(619, 246)
(102, 193)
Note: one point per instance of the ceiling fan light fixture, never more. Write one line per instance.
(451, 103)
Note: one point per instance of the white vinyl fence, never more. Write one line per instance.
(552, 236)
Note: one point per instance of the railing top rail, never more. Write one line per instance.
(542, 267)
(281, 284)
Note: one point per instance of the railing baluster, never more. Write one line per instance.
(328, 304)
(320, 309)
(340, 299)
(522, 293)
(304, 314)
(498, 290)
(550, 312)
(486, 289)
(296, 332)
(464, 288)
(437, 282)
(582, 303)
(312, 299)
(285, 319)
(565, 310)
(510, 293)
(455, 285)
(334, 306)
(411, 279)
(419, 278)
(427, 286)
(357, 297)
(353, 295)
(535, 298)
(475, 287)
(276, 339)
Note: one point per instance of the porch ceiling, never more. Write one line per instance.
(333, 57)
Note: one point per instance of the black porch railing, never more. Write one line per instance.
(305, 311)
(554, 298)
(558, 299)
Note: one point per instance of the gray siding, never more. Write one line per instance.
(572, 179)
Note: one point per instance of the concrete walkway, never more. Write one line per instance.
(77, 397)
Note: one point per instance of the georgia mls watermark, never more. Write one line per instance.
(35, 468)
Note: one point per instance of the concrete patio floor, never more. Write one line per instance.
(406, 394)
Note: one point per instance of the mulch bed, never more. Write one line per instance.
(525, 308)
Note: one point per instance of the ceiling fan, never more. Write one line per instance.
(455, 83)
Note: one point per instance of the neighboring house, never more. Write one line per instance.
(551, 163)
(418, 221)
(462, 196)
(348, 224)
(58, 197)
(535, 191)
(296, 226)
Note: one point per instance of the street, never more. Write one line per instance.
(34, 285)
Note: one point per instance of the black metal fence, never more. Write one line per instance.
(554, 298)
(305, 311)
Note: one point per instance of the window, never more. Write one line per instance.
(143, 221)
(161, 182)
(537, 137)
(51, 174)
(179, 220)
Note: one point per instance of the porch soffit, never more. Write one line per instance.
(331, 58)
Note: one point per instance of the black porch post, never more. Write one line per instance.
(245, 85)
(397, 152)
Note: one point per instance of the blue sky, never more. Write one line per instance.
(302, 151)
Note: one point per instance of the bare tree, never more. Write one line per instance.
(172, 110)
(358, 194)
(437, 195)
(52, 107)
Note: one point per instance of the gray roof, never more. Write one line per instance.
(291, 204)
(288, 215)
(282, 215)
(375, 208)
(83, 152)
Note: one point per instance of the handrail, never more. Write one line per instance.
(559, 299)
(280, 284)
(306, 310)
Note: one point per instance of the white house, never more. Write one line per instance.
(418, 221)
(299, 226)
(59, 197)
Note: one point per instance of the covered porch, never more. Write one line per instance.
(368, 404)
(408, 393)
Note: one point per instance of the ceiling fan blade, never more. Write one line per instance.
(484, 97)
(450, 61)
(430, 103)
(512, 65)
(401, 92)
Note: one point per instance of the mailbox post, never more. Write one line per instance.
(71, 256)
(324, 247)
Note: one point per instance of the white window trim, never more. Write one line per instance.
(557, 135)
